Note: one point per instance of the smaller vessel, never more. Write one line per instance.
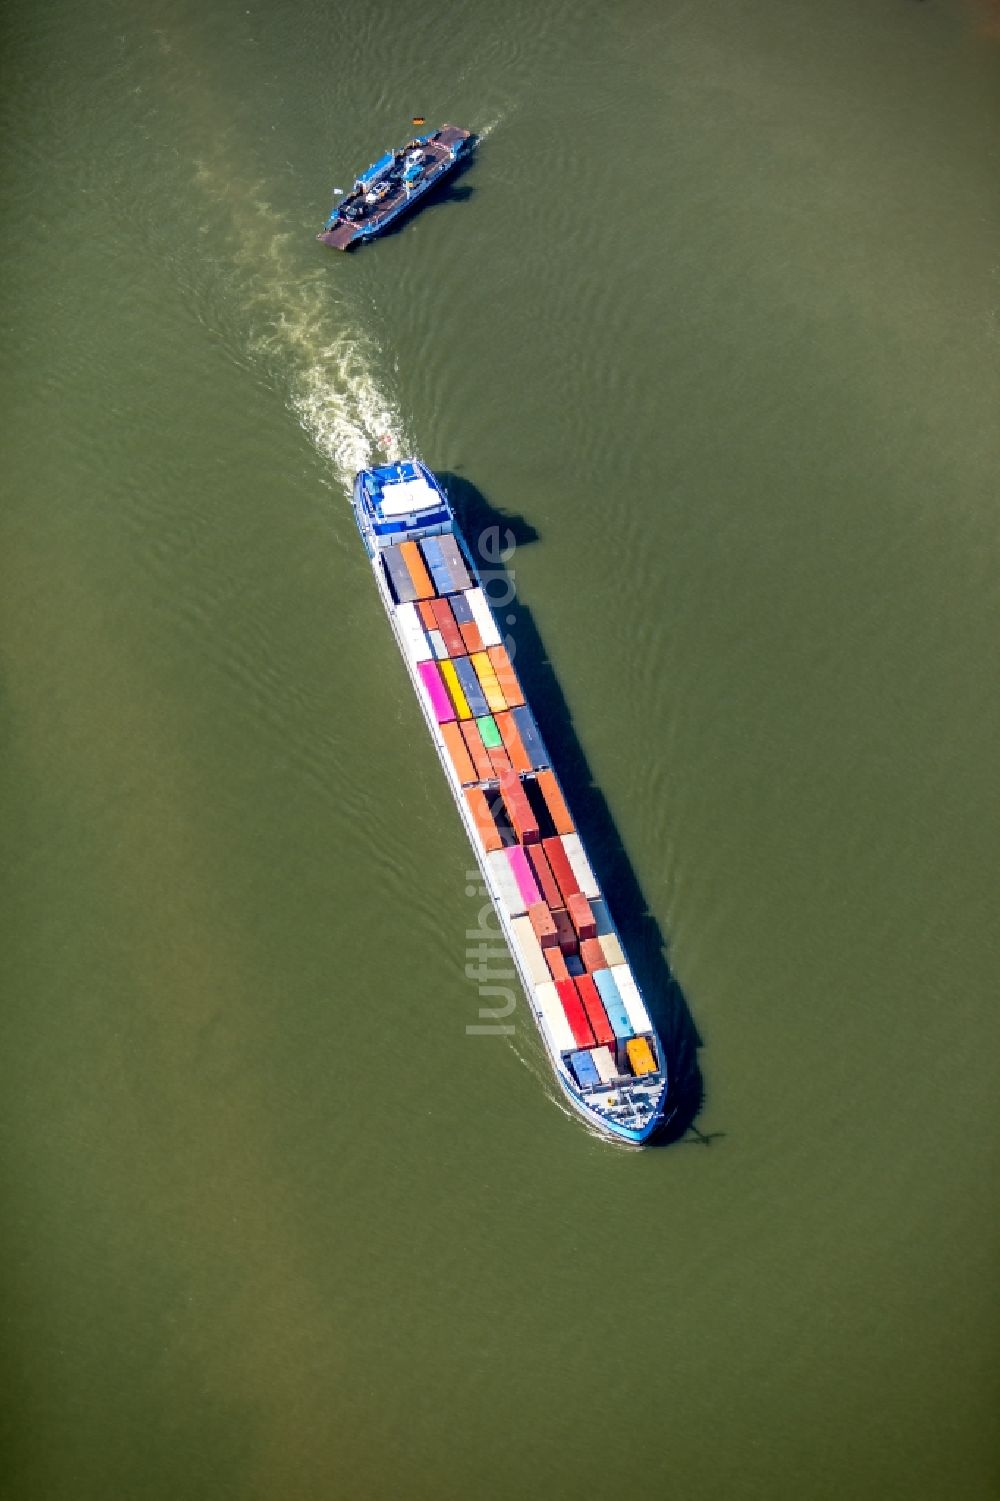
(393, 185)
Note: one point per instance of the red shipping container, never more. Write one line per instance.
(568, 940)
(557, 964)
(499, 760)
(594, 1007)
(561, 868)
(555, 804)
(543, 875)
(427, 615)
(506, 677)
(544, 928)
(593, 955)
(448, 627)
(522, 819)
(576, 1016)
(581, 915)
(471, 637)
(519, 758)
(477, 750)
(487, 829)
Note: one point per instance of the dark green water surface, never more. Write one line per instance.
(715, 313)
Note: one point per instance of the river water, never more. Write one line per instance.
(711, 324)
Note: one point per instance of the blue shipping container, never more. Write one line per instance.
(439, 570)
(461, 611)
(452, 555)
(471, 687)
(613, 1003)
(532, 740)
(585, 1069)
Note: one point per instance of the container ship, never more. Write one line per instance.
(394, 185)
(579, 986)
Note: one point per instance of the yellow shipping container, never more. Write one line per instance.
(454, 688)
(489, 682)
(612, 948)
(640, 1057)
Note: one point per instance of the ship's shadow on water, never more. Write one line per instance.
(489, 532)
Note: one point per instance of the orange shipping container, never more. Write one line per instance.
(486, 828)
(542, 922)
(427, 615)
(477, 750)
(554, 802)
(522, 819)
(499, 760)
(543, 875)
(640, 1057)
(557, 964)
(506, 676)
(581, 915)
(470, 636)
(514, 745)
(458, 752)
(593, 955)
(415, 567)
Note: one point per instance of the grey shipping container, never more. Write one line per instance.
(399, 575)
(530, 736)
(471, 687)
(452, 555)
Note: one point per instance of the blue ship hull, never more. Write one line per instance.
(394, 186)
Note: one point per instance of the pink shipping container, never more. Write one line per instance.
(436, 691)
(526, 883)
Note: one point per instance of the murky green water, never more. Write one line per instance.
(715, 315)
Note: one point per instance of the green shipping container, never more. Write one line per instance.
(492, 739)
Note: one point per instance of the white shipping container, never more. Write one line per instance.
(505, 882)
(605, 1065)
(554, 1017)
(631, 999)
(483, 616)
(580, 866)
(613, 951)
(437, 641)
(412, 631)
(530, 950)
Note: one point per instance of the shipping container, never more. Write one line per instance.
(452, 554)
(543, 875)
(594, 1007)
(541, 921)
(506, 676)
(529, 950)
(488, 682)
(519, 758)
(488, 729)
(567, 933)
(529, 733)
(454, 688)
(425, 607)
(575, 1014)
(613, 1004)
(581, 867)
(415, 643)
(460, 610)
(554, 1017)
(477, 750)
(557, 964)
(640, 1057)
(527, 885)
(436, 566)
(437, 643)
(410, 553)
(605, 1064)
(499, 760)
(483, 616)
(613, 951)
(560, 866)
(396, 571)
(555, 803)
(580, 915)
(585, 1069)
(632, 1000)
(471, 639)
(470, 686)
(518, 808)
(503, 878)
(592, 954)
(445, 621)
(458, 753)
(430, 676)
(483, 818)
(574, 965)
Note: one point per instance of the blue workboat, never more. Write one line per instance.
(394, 185)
